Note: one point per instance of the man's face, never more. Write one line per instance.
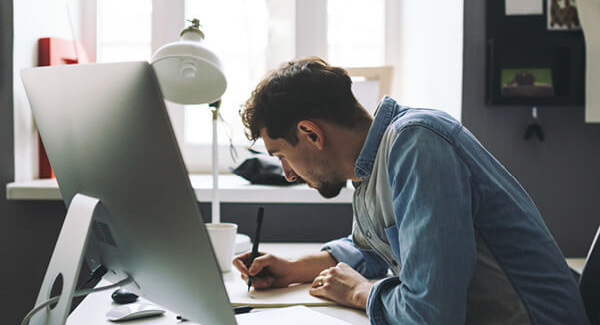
(304, 161)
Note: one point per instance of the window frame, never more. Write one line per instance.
(168, 19)
(310, 20)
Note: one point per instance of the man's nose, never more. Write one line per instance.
(290, 175)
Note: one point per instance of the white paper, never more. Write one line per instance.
(589, 16)
(524, 7)
(297, 315)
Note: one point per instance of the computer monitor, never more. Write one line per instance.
(116, 159)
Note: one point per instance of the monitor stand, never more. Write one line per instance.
(66, 260)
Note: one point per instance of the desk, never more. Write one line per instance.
(93, 308)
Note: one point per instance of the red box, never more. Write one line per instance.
(56, 51)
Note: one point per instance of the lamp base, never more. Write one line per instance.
(242, 244)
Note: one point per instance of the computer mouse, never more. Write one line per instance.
(133, 311)
(122, 296)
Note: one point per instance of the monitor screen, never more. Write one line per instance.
(108, 136)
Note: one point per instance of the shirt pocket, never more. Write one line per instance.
(392, 236)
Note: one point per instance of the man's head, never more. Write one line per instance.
(302, 111)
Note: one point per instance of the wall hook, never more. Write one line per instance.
(534, 128)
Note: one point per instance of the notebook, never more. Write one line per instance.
(295, 294)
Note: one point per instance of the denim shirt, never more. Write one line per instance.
(464, 241)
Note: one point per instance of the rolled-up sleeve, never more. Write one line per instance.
(436, 239)
(366, 262)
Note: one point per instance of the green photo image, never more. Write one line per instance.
(527, 83)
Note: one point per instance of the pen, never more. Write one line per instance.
(259, 220)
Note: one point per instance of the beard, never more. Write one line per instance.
(330, 190)
(327, 180)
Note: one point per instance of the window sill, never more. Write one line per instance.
(232, 189)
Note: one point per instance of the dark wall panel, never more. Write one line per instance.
(562, 174)
(290, 223)
(29, 233)
(11, 300)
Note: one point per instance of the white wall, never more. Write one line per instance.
(425, 45)
(34, 19)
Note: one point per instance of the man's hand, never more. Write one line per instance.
(268, 270)
(272, 271)
(343, 285)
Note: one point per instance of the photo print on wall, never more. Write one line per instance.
(562, 15)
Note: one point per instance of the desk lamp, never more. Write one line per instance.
(188, 73)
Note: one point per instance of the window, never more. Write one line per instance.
(257, 36)
(251, 37)
(356, 33)
(124, 30)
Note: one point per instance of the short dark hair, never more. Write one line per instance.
(307, 88)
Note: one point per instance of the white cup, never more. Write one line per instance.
(222, 236)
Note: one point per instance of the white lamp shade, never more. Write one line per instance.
(188, 73)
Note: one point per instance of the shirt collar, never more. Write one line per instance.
(384, 115)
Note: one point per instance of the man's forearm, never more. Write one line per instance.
(308, 267)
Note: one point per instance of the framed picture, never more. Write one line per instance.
(526, 83)
(562, 15)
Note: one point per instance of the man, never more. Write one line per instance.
(463, 240)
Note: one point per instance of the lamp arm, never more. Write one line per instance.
(216, 205)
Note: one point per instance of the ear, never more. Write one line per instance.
(311, 131)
